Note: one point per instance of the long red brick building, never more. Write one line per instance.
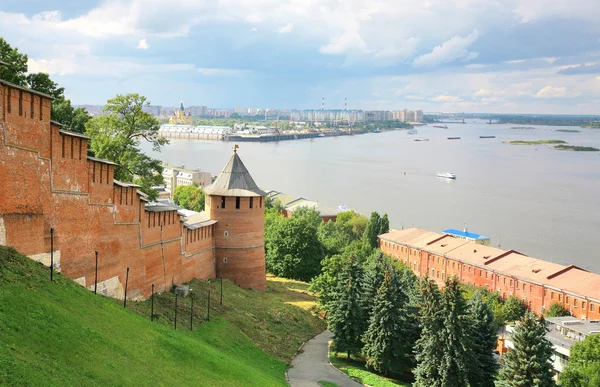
(51, 192)
(537, 282)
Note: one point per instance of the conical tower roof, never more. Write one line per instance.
(234, 180)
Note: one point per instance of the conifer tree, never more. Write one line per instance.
(346, 315)
(385, 348)
(529, 363)
(457, 356)
(375, 268)
(484, 340)
(429, 347)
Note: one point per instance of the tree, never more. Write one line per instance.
(190, 197)
(384, 225)
(62, 111)
(529, 363)
(292, 247)
(117, 135)
(384, 343)
(372, 230)
(457, 355)
(514, 309)
(17, 69)
(346, 318)
(556, 310)
(583, 368)
(428, 350)
(484, 337)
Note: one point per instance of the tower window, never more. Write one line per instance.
(251, 202)
(237, 203)
(222, 201)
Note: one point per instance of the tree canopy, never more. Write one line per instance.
(62, 110)
(117, 134)
(190, 197)
(583, 368)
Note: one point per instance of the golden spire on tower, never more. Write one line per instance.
(235, 148)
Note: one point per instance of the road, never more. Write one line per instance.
(311, 365)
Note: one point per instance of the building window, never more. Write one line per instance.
(552, 295)
(261, 201)
(511, 283)
(237, 203)
(222, 201)
(567, 300)
(575, 302)
(591, 307)
(453, 265)
(486, 275)
(251, 202)
(530, 288)
(433, 272)
(582, 304)
(524, 285)
(443, 276)
(469, 269)
(559, 297)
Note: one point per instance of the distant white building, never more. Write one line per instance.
(176, 176)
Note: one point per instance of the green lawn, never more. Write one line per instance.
(61, 334)
(355, 368)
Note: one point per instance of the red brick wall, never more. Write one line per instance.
(46, 181)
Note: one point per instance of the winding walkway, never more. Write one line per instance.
(311, 365)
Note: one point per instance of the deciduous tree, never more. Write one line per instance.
(190, 197)
(583, 368)
(556, 310)
(372, 230)
(117, 134)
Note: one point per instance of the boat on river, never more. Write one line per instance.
(413, 131)
(421, 139)
(441, 126)
(446, 175)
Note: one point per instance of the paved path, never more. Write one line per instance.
(312, 365)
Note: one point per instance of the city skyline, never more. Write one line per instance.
(472, 56)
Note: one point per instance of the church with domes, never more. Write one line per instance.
(180, 117)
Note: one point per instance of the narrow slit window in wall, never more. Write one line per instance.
(222, 201)
(237, 203)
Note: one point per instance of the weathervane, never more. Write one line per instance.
(235, 148)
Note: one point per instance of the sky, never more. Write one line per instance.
(497, 56)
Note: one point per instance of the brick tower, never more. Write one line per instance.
(237, 204)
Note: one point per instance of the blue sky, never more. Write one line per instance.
(503, 56)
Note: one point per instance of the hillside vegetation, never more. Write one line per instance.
(58, 333)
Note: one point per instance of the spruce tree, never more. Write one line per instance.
(429, 347)
(376, 267)
(484, 341)
(385, 349)
(346, 315)
(456, 352)
(528, 364)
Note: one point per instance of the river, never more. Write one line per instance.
(534, 199)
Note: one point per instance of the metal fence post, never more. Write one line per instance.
(126, 281)
(208, 308)
(152, 303)
(175, 311)
(52, 254)
(96, 276)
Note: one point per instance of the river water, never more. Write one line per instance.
(534, 199)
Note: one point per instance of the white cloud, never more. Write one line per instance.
(60, 66)
(481, 93)
(447, 98)
(449, 51)
(253, 29)
(552, 92)
(475, 66)
(515, 61)
(598, 78)
(285, 29)
(143, 45)
(216, 72)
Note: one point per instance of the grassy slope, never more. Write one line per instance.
(61, 334)
(277, 320)
(536, 142)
